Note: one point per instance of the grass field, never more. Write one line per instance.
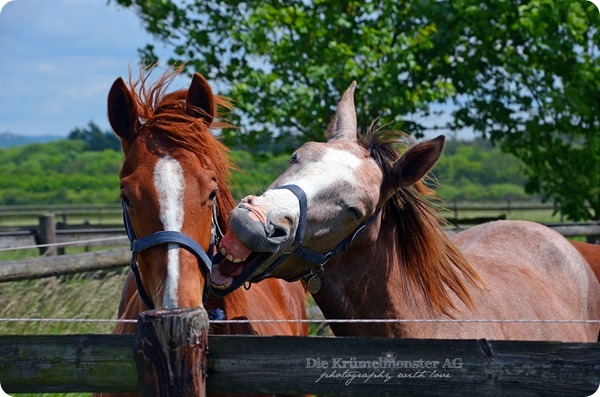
(85, 295)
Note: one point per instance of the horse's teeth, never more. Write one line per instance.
(223, 251)
(229, 258)
(237, 260)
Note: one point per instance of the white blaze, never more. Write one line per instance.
(169, 184)
(335, 165)
(314, 177)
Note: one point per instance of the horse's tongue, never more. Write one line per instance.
(231, 269)
(218, 279)
(235, 252)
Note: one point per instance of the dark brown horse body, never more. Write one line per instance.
(173, 173)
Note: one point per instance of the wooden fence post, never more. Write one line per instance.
(171, 348)
(47, 234)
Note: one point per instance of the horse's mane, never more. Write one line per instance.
(431, 262)
(163, 116)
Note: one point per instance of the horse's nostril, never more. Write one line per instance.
(249, 199)
(278, 232)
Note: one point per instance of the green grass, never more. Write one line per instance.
(525, 215)
(94, 219)
(33, 253)
(52, 395)
(93, 295)
(18, 254)
(527, 210)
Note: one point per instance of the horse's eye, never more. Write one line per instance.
(213, 194)
(355, 212)
(293, 159)
(125, 199)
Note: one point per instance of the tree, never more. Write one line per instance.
(523, 73)
(526, 75)
(95, 139)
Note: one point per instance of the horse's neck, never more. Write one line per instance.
(235, 306)
(364, 283)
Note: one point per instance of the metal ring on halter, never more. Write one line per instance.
(318, 270)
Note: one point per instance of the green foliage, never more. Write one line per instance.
(523, 72)
(286, 63)
(58, 172)
(253, 175)
(63, 172)
(476, 170)
(528, 73)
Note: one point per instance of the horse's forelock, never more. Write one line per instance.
(165, 114)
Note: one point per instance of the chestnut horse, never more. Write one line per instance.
(174, 178)
(352, 217)
(591, 253)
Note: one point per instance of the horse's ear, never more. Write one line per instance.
(200, 99)
(416, 162)
(343, 126)
(122, 113)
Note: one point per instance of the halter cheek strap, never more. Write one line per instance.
(303, 202)
(306, 254)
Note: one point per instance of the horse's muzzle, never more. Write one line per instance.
(256, 235)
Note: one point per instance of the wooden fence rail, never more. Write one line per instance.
(47, 266)
(60, 235)
(65, 212)
(69, 235)
(300, 365)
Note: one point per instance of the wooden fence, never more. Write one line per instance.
(54, 236)
(64, 212)
(170, 350)
(47, 266)
(454, 210)
(59, 235)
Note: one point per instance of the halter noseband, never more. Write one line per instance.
(138, 245)
(304, 253)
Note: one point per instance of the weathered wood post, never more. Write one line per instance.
(47, 234)
(171, 350)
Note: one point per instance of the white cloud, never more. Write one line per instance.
(3, 3)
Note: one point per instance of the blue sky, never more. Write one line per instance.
(58, 60)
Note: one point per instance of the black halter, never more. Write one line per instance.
(170, 237)
(306, 254)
